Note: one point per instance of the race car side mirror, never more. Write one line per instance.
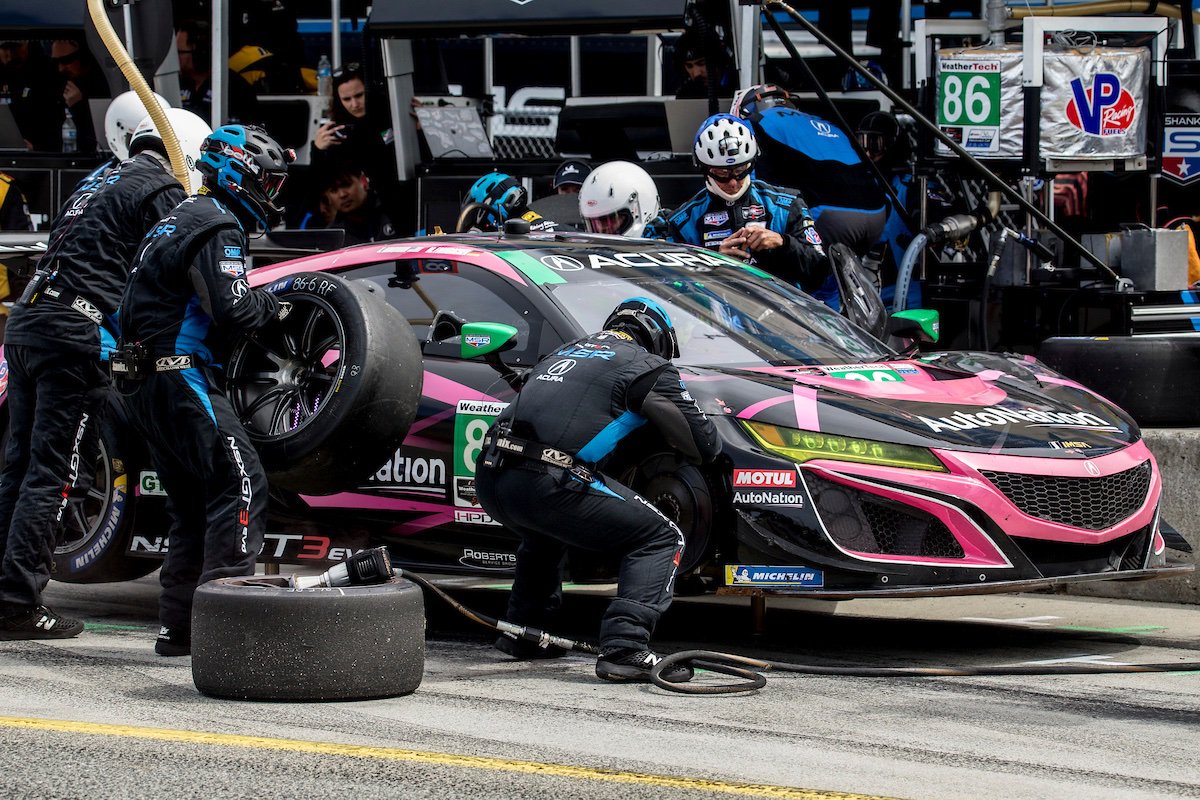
(915, 325)
(486, 338)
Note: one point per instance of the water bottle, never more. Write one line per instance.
(325, 79)
(69, 135)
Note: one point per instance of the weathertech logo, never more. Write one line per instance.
(765, 477)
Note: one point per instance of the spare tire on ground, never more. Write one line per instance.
(1153, 378)
(255, 641)
(328, 393)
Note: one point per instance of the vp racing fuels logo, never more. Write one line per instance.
(1103, 109)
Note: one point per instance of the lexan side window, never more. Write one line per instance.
(421, 287)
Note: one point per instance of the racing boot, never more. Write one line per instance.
(173, 642)
(631, 665)
(40, 623)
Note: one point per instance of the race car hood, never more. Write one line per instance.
(956, 401)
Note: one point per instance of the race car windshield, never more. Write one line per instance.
(726, 318)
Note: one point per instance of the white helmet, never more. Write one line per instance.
(123, 115)
(190, 130)
(726, 145)
(618, 197)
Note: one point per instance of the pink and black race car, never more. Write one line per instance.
(848, 470)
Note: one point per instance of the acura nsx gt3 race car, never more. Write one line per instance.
(848, 470)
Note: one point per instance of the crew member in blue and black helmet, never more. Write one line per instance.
(496, 198)
(741, 217)
(187, 296)
(542, 474)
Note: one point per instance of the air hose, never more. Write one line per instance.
(523, 633)
(138, 84)
(749, 670)
(905, 271)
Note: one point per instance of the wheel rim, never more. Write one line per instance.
(86, 512)
(279, 378)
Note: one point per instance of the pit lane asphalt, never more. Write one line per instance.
(102, 716)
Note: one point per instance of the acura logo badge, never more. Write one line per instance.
(1092, 468)
(562, 263)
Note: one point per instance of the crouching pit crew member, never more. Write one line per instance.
(187, 296)
(541, 475)
(57, 383)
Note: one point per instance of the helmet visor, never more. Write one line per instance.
(272, 184)
(617, 222)
(723, 174)
(873, 144)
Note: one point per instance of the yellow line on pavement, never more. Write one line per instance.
(425, 757)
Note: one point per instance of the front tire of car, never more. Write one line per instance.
(679, 490)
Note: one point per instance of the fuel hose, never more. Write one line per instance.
(136, 82)
(749, 671)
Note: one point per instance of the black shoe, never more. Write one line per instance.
(526, 651)
(173, 642)
(41, 623)
(631, 665)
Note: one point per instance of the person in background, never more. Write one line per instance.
(741, 217)
(193, 43)
(356, 207)
(570, 175)
(31, 87)
(358, 134)
(579, 403)
(692, 61)
(14, 208)
(888, 141)
(14, 216)
(83, 81)
(496, 198)
(187, 293)
(55, 343)
(618, 198)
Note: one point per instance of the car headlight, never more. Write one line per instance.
(800, 446)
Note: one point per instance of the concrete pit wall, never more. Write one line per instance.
(1177, 451)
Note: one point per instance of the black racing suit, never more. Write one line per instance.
(187, 290)
(706, 219)
(583, 400)
(57, 385)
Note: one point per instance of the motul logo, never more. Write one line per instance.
(764, 477)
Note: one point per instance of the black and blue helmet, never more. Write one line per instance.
(501, 191)
(648, 323)
(249, 167)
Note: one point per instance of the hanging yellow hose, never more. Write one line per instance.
(1106, 7)
(139, 85)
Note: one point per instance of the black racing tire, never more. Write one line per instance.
(261, 642)
(328, 393)
(1152, 378)
(98, 523)
(679, 490)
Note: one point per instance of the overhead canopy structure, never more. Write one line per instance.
(41, 19)
(404, 18)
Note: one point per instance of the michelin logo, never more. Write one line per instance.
(749, 575)
(995, 415)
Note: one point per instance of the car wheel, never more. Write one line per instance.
(677, 489)
(98, 523)
(328, 393)
(256, 641)
(1151, 378)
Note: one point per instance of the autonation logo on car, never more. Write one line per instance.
(769, 484)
